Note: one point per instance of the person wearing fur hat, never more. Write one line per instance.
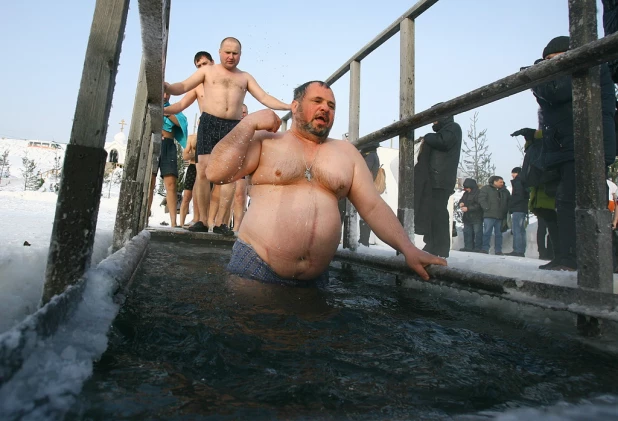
(556, 113)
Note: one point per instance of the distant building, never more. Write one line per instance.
(43, 144)
(116, 150)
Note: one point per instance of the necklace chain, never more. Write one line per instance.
(308, 168)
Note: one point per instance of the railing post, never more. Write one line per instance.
(593, 219)
(405, 203)
(350, 232)
(130, 193)
(284, 125)
(79, 197)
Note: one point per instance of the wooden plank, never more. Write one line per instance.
(350, 236)
(80, 188)
(585, 57)
(405, 199)
(154, 19)
(415, 11)
(123, 230)
(96, 89)
(593, 219)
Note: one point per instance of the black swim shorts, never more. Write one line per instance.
(190, 177)
(246, 263)
(211, 130)
(168, 160)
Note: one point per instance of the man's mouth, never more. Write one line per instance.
(321, 118)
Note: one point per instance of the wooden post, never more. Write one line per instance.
(147, 119)
(350, 225)
(130, 194)
(405, 202)
(79, 197)
(593, 219)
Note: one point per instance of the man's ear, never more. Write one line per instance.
(294, 107)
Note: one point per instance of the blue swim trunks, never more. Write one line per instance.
(245, 262)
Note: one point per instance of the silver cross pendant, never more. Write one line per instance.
(308, 174)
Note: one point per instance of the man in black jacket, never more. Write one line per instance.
(472, 216)
(494, 200)
(518, 208)
(445, 147)
(556, 102)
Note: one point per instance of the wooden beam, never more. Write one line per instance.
(581, 58)
(147, 119)
(415, 11)
(129, 191)
(350, 226)
(405, 198)
(592, 218)
(79, 197)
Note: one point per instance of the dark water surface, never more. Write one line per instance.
(192, 343)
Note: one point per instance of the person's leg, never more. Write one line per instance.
(498, 236)
(184, 206)
(196, 207)
(440, 227)
(565, 210)
(478, 236)
(541, 234)
(488, 226)
(213, 209)
(226, 194)
(468, 233)
(202, 187)
(519, 232)
(170, 188)
(240, 203)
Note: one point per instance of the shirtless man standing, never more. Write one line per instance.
(225, 87)
(292, 229)
(201, 59)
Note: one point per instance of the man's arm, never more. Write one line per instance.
(174, 120)
(238, 153)
(265, 99)
(483, 199)
(188, 154)
(380, 217)
(444, 140)
(185, 86)
(181, 105)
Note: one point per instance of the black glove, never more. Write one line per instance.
(527, 133)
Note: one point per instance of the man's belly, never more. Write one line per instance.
(295, 229)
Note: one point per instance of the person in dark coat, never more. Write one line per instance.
(494, 200)
(472, 216)
(518, 208)
(444, 149)
(556, 102)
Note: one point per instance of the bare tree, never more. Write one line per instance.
(476, 159)
(4, 165)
